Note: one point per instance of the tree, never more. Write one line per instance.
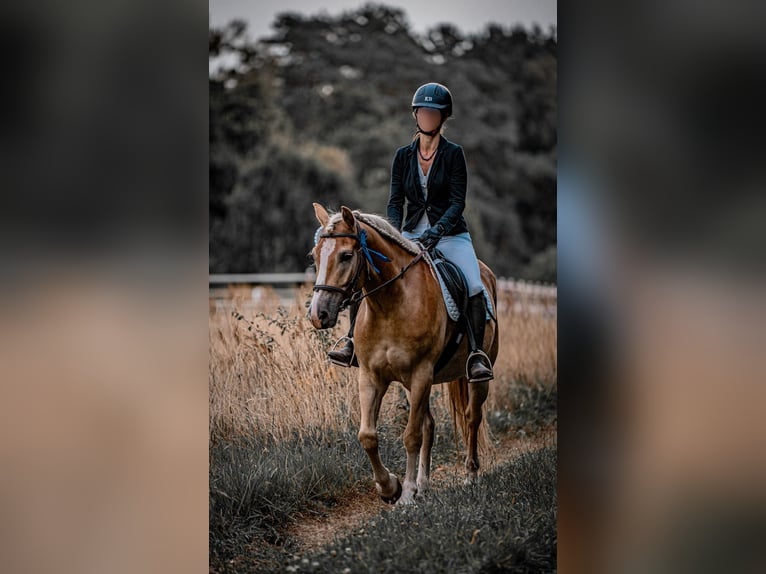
(316, 111)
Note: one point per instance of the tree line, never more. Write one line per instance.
(315, 111)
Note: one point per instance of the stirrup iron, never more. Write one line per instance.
(480, 353)
(335, 346)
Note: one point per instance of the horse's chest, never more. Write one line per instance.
(395, 360)
(393, 346)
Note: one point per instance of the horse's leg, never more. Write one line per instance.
(477, 394)
(371, 394)
(420, 390)
(424, 469)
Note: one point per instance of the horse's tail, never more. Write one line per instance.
(458, 398)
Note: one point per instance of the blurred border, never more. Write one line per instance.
(103, 314)
(662, 305)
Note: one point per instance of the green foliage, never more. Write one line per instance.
(542, 267)
(315, 112)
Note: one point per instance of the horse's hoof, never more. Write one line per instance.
(407, 500)
(392, 499)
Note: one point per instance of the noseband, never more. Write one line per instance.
(348, 291)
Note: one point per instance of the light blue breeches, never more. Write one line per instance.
(459, 250)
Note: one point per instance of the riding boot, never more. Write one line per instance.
(478, 367)
(345, 356)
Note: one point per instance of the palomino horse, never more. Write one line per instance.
(401, 328)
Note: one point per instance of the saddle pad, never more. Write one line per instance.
(453, 308)
(453, 279)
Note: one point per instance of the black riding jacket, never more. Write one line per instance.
(447, 183)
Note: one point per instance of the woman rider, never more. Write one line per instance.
(430, 175)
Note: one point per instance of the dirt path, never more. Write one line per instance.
(315, 531)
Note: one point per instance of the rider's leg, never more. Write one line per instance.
(345, 355)
(459, 250)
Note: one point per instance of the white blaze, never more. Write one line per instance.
(324, 256)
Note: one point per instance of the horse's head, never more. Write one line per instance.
(338, 266)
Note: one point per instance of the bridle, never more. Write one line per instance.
(350, 293)
(347, 292)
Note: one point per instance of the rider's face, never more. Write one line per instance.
(428, 118)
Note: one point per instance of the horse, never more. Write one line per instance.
(401, 328)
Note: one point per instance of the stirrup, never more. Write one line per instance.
(480, 353)
(335, 346)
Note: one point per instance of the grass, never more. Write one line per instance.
(532, 408)
(257, 486)
(283, 445)
(269, 373)
(460, 529)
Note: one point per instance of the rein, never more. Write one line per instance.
(355, 296)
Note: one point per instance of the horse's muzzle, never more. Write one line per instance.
(326, 320)
(324, 311)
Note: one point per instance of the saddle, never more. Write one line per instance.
(454, 280)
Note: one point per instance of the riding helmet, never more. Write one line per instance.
(433, 95)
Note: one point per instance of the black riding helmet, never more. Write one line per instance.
(433, 95)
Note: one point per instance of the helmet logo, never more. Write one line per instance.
(429, 98)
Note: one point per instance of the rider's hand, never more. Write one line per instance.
(429, 238)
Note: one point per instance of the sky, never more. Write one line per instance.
(467, 16)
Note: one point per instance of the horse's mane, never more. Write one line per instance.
(379, 224)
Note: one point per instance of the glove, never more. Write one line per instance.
(429, 238)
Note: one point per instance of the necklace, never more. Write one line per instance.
(424, 158)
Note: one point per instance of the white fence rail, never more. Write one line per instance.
(541, 290)
(260, 279)
(284, 283)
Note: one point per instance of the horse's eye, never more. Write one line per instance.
(346, 255)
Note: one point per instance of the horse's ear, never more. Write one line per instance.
(321, 214)
(348, 217)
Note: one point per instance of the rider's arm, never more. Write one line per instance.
(396, 196)
(458, 185)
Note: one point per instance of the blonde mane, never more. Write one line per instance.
(379, 224)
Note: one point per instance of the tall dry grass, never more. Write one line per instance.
(269, 374)
(528, 347)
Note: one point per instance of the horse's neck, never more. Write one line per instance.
(394, 292)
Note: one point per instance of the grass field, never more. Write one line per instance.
(283, 452)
